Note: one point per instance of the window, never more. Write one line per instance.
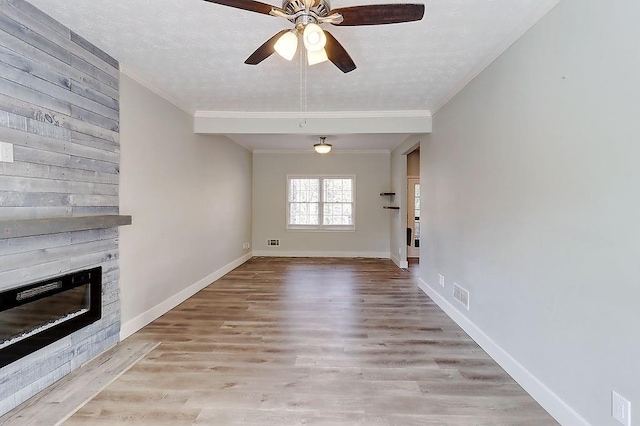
(321, 203)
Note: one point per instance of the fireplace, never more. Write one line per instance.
(36, 315)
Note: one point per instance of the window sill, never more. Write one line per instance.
(305, 229)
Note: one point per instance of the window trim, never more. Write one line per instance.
(321, 227)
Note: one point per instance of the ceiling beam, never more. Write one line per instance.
(345, 122)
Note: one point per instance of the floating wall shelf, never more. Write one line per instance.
(390, 195)
(29, 227)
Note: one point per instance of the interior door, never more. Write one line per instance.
(413, 217)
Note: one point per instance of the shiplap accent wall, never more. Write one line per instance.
(59, 107)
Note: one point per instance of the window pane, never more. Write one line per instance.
(304, 190)
(329, 185)
(337, 214)
(331, 195)
(338, 190)
(303, 214)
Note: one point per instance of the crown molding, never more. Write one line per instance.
(138, 78)
(544, 8)
(313, 114)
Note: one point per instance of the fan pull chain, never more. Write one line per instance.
(303, 88)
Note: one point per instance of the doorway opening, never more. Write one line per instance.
(413, 206)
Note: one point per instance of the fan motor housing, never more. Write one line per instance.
(320, 8)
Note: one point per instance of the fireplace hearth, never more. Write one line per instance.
(36, 315)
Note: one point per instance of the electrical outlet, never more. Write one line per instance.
(620, 409)
(6, 152)
(441, 280)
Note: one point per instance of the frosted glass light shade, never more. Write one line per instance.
(314, 38)
(317, 56)
(322, 148)
(287, 45)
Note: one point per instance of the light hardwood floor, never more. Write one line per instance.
(313, 342)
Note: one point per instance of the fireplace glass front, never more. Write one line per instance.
(34, 316)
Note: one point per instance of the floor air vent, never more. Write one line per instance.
(461, 295)
(273, 243)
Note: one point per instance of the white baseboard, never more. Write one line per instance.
(135, 324)
(551, 402)
(277, 253)
(399, 263)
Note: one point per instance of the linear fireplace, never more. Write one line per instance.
(36, 315)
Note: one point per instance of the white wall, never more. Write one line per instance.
(190, 197)
(371, 237)
(530, 183)
(398, 239)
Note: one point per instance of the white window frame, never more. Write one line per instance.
(320, 227)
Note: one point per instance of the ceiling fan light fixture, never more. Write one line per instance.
(307, 15)
(314, 38)
(287, 45)
(317, 57)
(322, 147)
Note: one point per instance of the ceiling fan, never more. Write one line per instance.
(308, 15)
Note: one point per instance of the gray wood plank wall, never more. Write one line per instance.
(59, 107)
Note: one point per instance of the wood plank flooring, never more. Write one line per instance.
(314, 342)
(59, 401)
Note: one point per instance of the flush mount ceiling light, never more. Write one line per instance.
(308, 15)
(322, 147)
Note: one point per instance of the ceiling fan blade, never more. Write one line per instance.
(378, 14)
(250, 5)
(264, 51)
(338, 55)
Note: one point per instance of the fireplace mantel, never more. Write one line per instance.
(30, 227)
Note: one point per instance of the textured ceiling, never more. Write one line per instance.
(359, 142)
(193, 51)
